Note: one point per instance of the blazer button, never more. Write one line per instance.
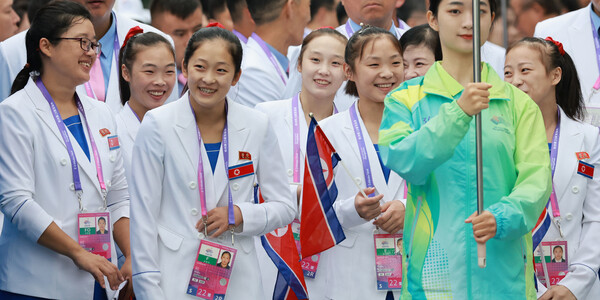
(290, 172)
(575, 189)
(192, 185)
(358, 180)
(200, 235)
(194, 211)
(112, 158)
(235, 186)
(108, 183)
(569, 217)
(72, 187)
(63, 161)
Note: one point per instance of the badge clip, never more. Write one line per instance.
(231, 228)
(204, 221)
(557, 221)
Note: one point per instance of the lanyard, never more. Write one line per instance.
(135, 114)
(553, 158)
(202, 184)
(116, 48)
(364, 157)
(65, 135)
(272, 58)
(597, 45)
(349, 29)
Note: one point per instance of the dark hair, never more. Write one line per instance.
(130, 50)
(226, 252)
(180, 8)
(422, 35)
(568, 90)
(356, 46)
(435, 4)
(102, 219)
(341, 14)
(409, 7)
(551, 7)
(212, 33)
(315, 5)
(318, 33)
(236, 9)
(265, 11)
(34, 6)
(559, 247)
(50, 22)
(213, 7)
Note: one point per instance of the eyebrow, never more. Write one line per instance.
(462, 4)
(206, 61)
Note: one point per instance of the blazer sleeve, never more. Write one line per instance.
(414, 153)
(117, 198)
(146, 196)
(279, 208)
(584, 265)
(517, 213)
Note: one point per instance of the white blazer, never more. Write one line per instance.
(166, 201)
(260, 80)
(574, 31)
(36, 189)
(13, 56)
(352, 262)
(127, 126)
(280, 116)
(578, 200)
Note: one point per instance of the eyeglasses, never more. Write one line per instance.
(85, 43)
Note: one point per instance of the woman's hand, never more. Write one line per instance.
(367, 208)
(558, 292)
(484, 226)
(127, 291)
(475, 98)
(217, 220)
(99, 267)
(392, 219)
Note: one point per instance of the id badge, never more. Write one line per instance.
(94, 233)
(388, 261)
(555, 262)
(309, 264)
(212, 270)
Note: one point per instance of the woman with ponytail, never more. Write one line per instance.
(543, 70)
(146, 79)
(62, 170)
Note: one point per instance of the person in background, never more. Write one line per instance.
(216, 11)
(179, 19)
(420, 50)
(243, 25)
(413, 12)
(397, 21)
(9, 20)
(531, 12)
(340, 11)
(322, 14)
(20, 7)
(497, 34)
(265, 68)
(545, 71)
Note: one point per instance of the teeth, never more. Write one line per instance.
(387, 85)
(153, 93)
(207, 91)
(319, 81)
(85, 64)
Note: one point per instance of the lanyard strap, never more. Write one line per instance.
(349, 29)
(553, 158)
(64, 133)
(364, 157)
(201, 183)
(296, 138)
(116, 48)
(272, 58)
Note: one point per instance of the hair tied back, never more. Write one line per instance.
(132, 32)
(558, 44)
(215, 24)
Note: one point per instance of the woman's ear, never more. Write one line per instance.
(125, 73)
(348, 72)
(432, 20)
(236, 78)
(45, 47)
(556, 75)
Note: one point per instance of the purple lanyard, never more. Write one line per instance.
(201, 183)
(116, 48)
(597, 45)
(349, 29)
(553, 157)
(364, 157)
(240, 36)
(133, 111)
(272, 58)
(65, 135)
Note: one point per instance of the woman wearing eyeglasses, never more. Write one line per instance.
(62, 170)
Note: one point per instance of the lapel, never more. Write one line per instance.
(44, 112)
(186, 130)
(582, 47)
(132, 124)
(571, 140)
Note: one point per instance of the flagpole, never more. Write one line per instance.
(481, 255)
(504, 10)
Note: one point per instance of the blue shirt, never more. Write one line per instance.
(282, 59)
(76, 129)
(595, 18)
(357, 27)
(212, 151)
(108, 45)
(386, 170)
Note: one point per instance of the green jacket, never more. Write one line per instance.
(428, 140)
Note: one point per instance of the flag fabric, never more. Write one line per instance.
(320, 228)
(541, 227)
(281, 248)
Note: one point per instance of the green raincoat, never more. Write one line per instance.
(428, 139)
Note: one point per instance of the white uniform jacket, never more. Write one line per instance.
(280, 116)
(13, 56)
(260, 80)
(574, 31)
(579, 204)
(127, 127)
(166, 201)
(36, 189)
(352, 262)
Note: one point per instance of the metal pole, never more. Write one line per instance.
(504, 10)
(477, 78)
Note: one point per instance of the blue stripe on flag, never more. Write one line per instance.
(539, 234)
(285, 272)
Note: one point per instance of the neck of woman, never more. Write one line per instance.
(62, 93)
(139, 110)
(320, 108)
(549, 110)
(371, 113)
(459, 66)
(210, 120)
